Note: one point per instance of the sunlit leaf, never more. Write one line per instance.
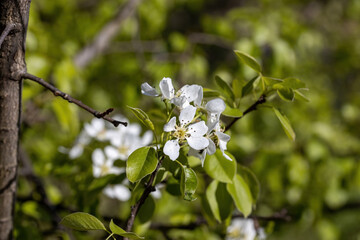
(119, 231)
(220, 168)
(232, 112)
(249, 60)
(237, 88)
(300, 96)
(82, 222)
(249, 86)
(285, 124)
(143, 117)
(252, 181)
(224, 87)
(241, 194)
(188, 183)
(140, 163)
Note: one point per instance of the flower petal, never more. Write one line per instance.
(190, 92)
(197, 143)
(111, 152)
(170, 126)
(197, 129)
(199, 154)
(76, 151)
(187, 115)
(172, 149)
(180, 101)
(216, 105)
(147, 138)
(167, 88)
(211, 149)
(199, 97)
(148, 90)
(98, 157)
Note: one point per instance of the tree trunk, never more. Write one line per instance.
(14, 15)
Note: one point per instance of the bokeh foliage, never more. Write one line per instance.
(316, 178)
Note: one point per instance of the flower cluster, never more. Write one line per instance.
(122, 142)
(244, 229)
(202, 138)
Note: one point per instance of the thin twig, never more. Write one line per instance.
(148, 189)
(70, 99)
(261, 100)
(6, 32)
(106, 34)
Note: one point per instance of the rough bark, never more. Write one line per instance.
(12, 64)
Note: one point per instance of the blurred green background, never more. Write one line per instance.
(316, 178)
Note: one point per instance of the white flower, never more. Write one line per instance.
(214, 107)
(181, 98)
(126, 140)
(103, 165)
(192, 133)
(241, 229)
(97, 129)
(118, 191)
(82, 140)
(148, 90)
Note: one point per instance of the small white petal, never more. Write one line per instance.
(172, 149)
(98, 124)
(76, 151)
(111, 152)
(148, 90)
(134, 129)
(180, 101)
(170, 126)
(199, 154)
(197, 143)
(167, 88)
(90, 130)
(190, 92)
(156, 194)
(98, 157)
(199, 97)
(187, 115)
(115, 170)
(222, 136)
(197, 129)
(216, 105)
(96, 171)
(226, 156)
(211, 149)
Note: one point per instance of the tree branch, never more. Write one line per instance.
(261, 100)
(6, 32)
(106, 34)
(148, 189)
(70, 99)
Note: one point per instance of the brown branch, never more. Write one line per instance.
(261, 100)
(6, 32)
(106, 34)
(70, 99)
(148, 189)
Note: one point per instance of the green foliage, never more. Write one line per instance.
(241, 194)
(141, 163)
(220, 168)
(82, 222)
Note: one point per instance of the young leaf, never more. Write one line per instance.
(147, 210)
(252, 181)
(219, 200)
(240, 193)
(220, 168)
(232, 112)
(293, 83)
(82, 222)
(248, 86)
(237, 88)
(209, 93)
(285, 124)
(286, 94)
(143, 117)
(188, 183)
(300, 96)
(119, 231)
(140, 163)
(225, 87)
(249, 61)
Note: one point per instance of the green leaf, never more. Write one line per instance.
(241, 194)
(143, 117)
(188, 183)
(237, 88)
(140, 163)
(219, 200)
(209, 93)
(249, 60)
(285, 124)
(82, 222)
(147, 210)
(225, 87)
(249, 86)
(286, 94)
(220, 168)
(293, 83)
(232, 112)
(252, 181)
(121, 232)
(300, 96)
